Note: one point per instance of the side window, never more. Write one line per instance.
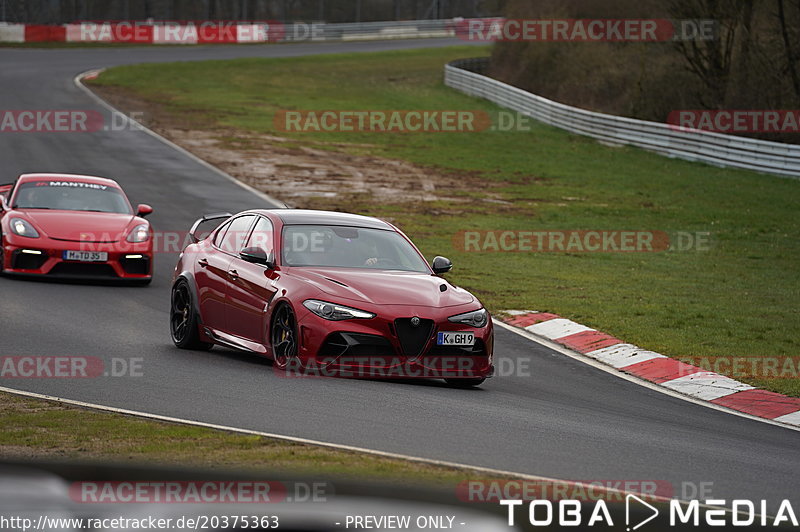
(236, 235)
(220, 234)
(262, 235)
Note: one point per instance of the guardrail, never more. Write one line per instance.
(692, 145)
(407, 29)
(215, 32)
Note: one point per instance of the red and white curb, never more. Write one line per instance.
(126, 32)
(204, 32)
(677, 376)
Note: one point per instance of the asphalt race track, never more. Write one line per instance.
(568, 420)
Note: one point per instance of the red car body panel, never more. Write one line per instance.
(236, 299)
(73, 230)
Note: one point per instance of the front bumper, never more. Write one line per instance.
(43, 257)
(387, 347)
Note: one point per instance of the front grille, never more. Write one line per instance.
(413, 339)
(135, 266)
(356, 345)
(77, 269)
(82, 241)
(27, 261)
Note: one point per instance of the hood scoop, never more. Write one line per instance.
(337, 282)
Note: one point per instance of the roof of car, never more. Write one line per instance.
(311, 217)
(68, 177)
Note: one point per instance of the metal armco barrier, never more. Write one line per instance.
(692, 145)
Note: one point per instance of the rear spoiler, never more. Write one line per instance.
(206, 218)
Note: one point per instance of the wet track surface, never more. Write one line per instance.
(565, 420)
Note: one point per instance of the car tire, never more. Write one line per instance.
(183, 320)
(464, 383)
(283, 336)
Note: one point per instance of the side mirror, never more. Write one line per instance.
(143, 210)
(441, 265)
(5, 191)
(257, 255)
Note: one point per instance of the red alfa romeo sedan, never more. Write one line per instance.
(328, 294)
(73, 226)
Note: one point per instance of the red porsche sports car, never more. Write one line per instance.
(328, 293)
(73, 226)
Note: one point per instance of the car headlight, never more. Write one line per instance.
(23, 228)
(333, 312)
(476, 318)
(140, 233)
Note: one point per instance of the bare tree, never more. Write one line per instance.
(789, 48)
(712, 60)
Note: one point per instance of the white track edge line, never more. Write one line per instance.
(78, 81)
(632, 378)
(318, 443)
(342, 447)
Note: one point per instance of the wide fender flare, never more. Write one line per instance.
(189, 278)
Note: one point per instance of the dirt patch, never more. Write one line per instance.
(24, 452)
(309, 176)
(299, 175)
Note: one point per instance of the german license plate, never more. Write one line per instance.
(455, 338)
(86, 256)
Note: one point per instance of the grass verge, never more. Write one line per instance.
(735, 299)
(38, 429)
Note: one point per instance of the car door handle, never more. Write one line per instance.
(203, 262)
(233, 274)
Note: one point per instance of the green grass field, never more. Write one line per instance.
(738, 298)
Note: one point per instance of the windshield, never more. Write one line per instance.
(71, 196)
(349, 247)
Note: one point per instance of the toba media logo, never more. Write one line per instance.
(713, 513)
